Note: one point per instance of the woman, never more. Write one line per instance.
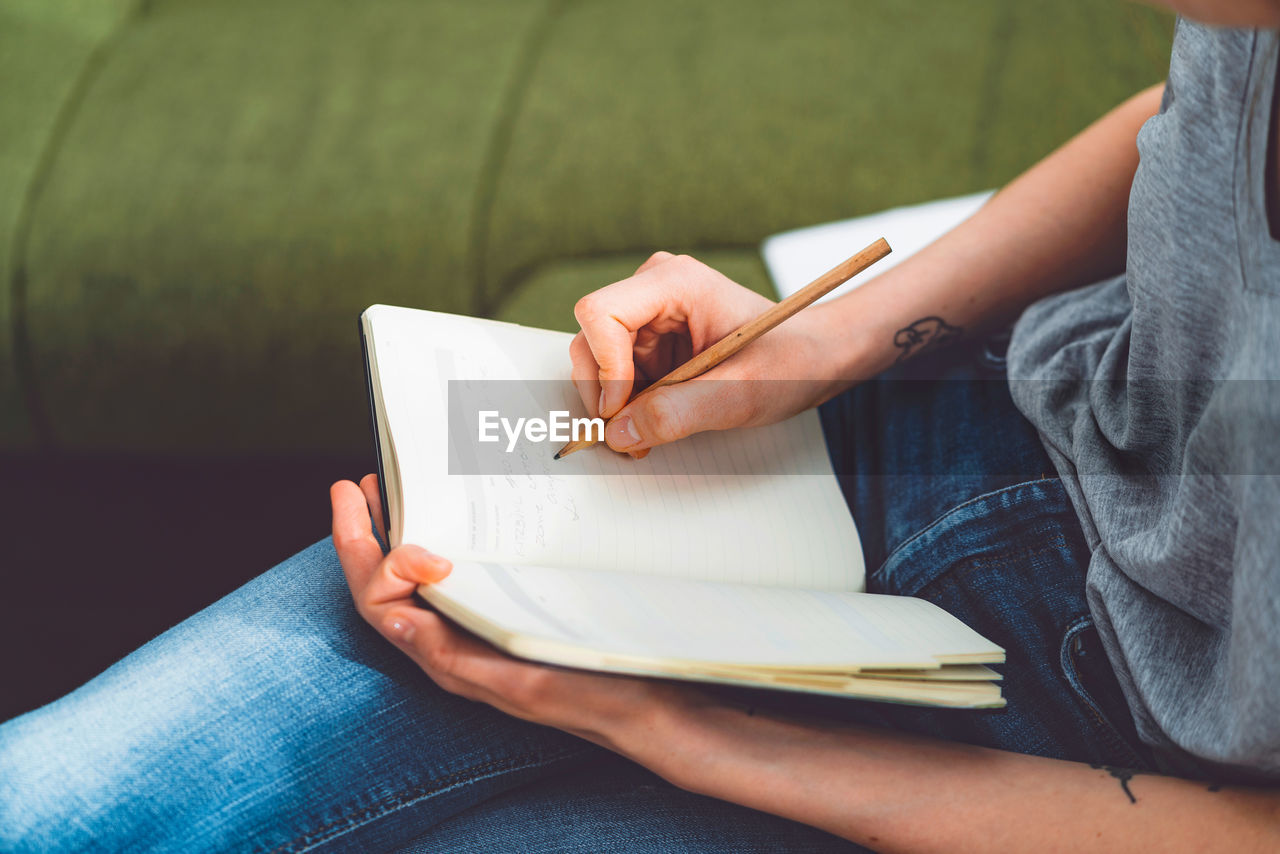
(1110, 515)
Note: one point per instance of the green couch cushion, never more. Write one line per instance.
(45, 48)
(671, 124)
(1054, 66)
(240, 180)
(546, 296)
(235, 181)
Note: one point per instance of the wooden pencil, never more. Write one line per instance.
(753, 329)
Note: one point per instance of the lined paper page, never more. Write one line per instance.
(711, 507)
(729, 625)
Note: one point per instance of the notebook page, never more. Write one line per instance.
(631, 617)
(707, 507)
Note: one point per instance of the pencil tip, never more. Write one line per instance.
(557, 456)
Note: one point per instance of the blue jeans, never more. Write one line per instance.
(276, 720)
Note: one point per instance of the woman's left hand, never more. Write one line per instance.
(616, 712)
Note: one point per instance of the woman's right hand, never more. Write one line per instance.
(636, 331)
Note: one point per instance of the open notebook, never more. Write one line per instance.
(727, 557)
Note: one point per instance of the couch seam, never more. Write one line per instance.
(498, 146)
(20, 341)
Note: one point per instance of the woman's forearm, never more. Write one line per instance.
(894, 792)
(1060, 225)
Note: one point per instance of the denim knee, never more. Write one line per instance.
(201, 726)
(276, 715)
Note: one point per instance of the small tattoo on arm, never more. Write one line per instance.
(1124, 775)
(927, 333)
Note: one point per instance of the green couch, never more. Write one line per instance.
(197, 197)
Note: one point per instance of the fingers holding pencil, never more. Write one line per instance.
(626, 323)
(703, 313)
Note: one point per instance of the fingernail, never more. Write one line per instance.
(622, 433)
(400, 629)
(600, 411)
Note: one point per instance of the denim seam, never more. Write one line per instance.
(969, 563)
(1071, 673)
(942, 517)
(408, 797)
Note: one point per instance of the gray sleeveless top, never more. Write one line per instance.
(1155, 395)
